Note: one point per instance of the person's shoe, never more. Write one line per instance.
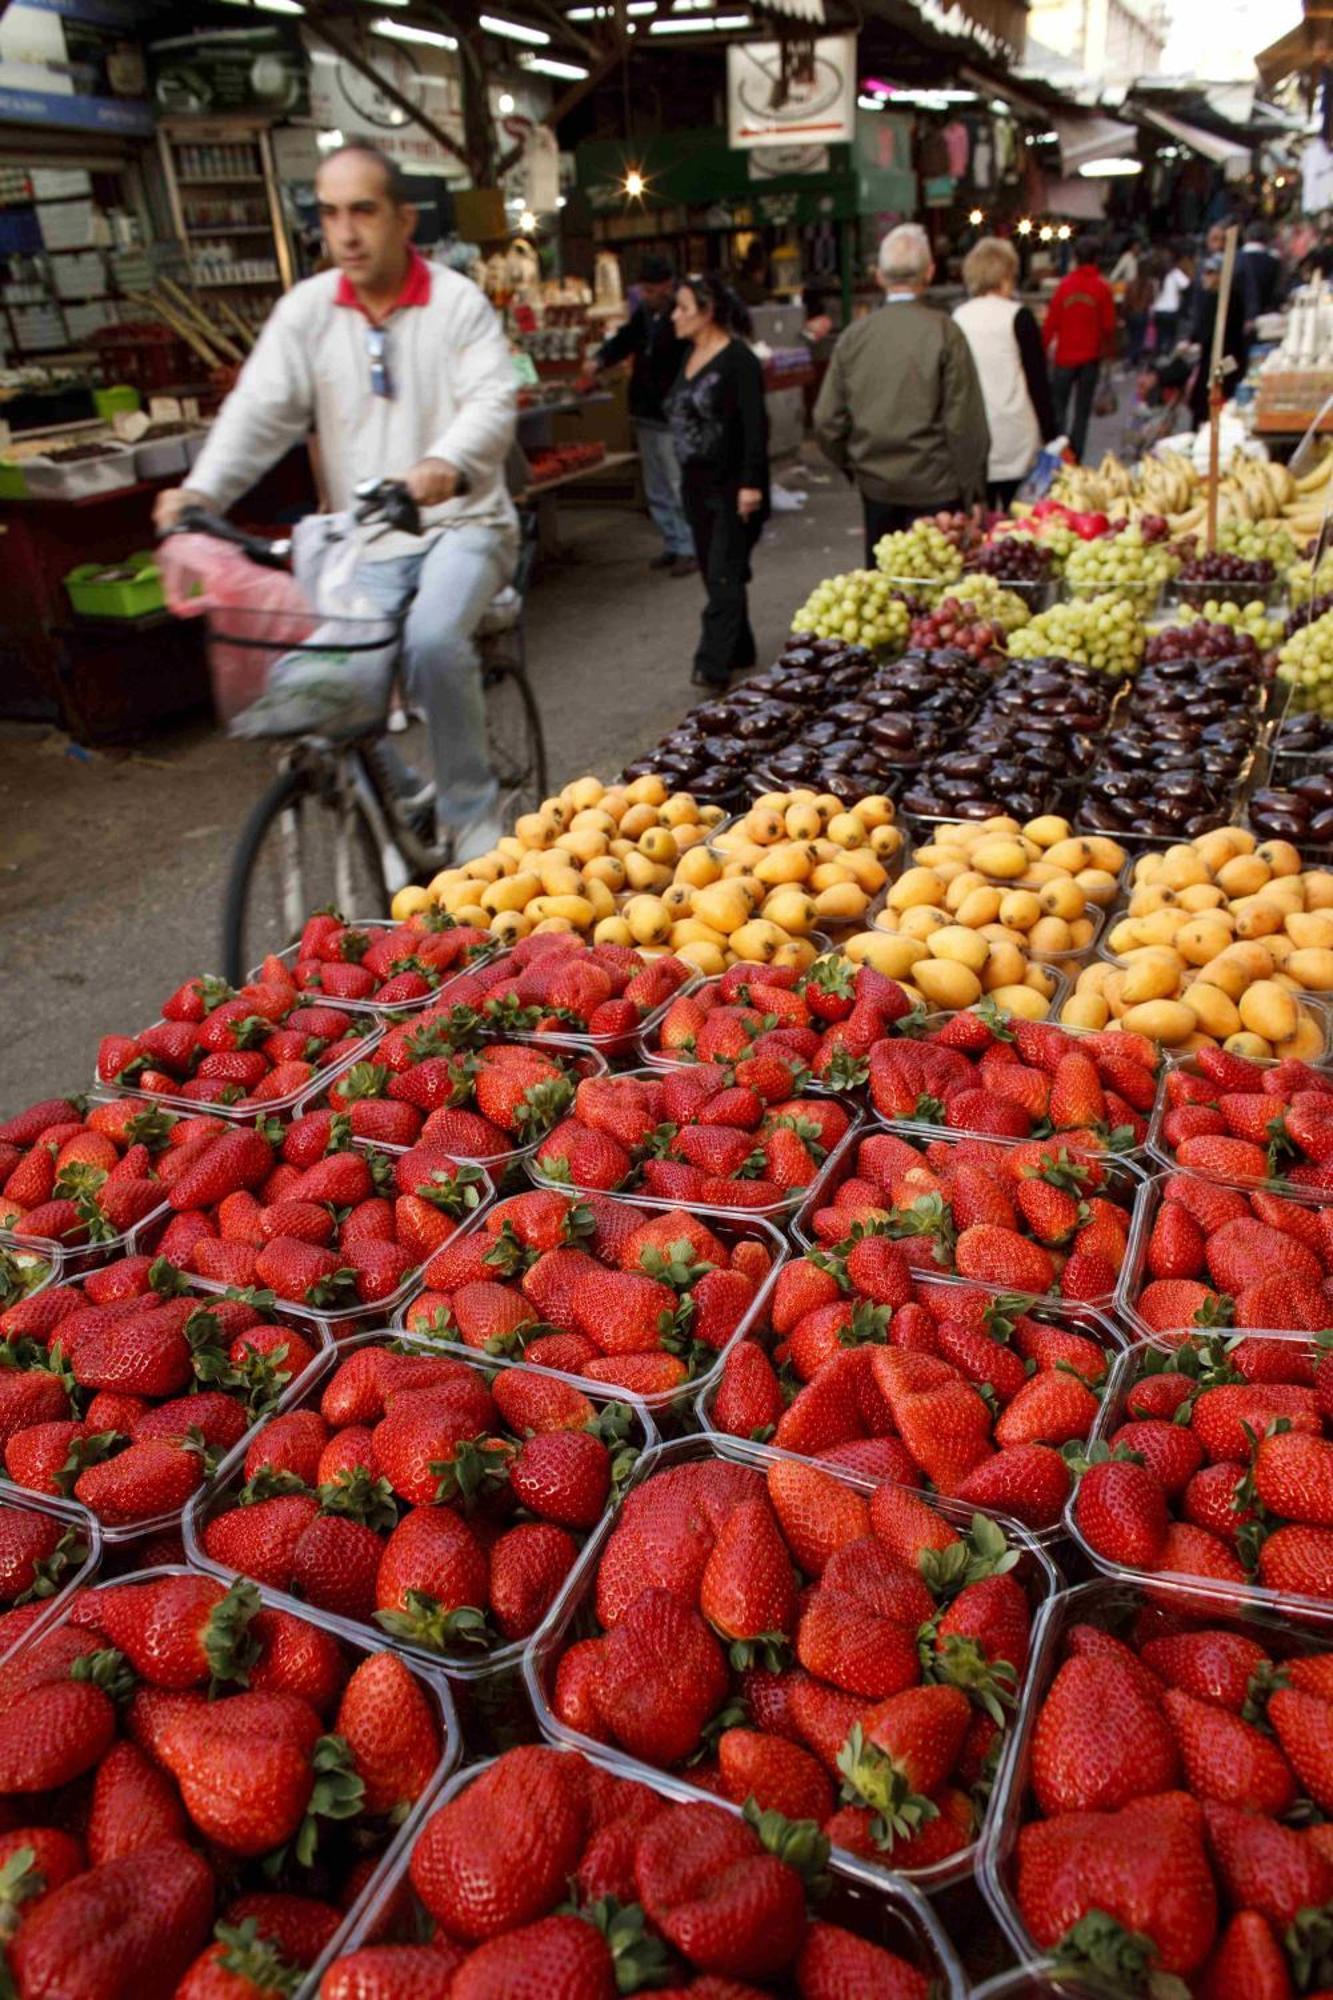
(664, 561)
(683, 566)
(477, 836)
(709, 680)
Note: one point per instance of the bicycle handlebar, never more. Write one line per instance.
(375, 500)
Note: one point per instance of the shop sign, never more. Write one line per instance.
(816, 107)
(343, 100)
(776, 163)
(218, 72)
(72, 63)
(536, 178)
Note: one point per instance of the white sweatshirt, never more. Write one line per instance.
(453, 397)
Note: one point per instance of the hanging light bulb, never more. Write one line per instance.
(976, 218)
(635, 184)
(1025, 227)
(1045, 233)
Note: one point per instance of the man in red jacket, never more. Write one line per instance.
(1079, 333)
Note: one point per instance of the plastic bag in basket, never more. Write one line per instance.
(204, 577)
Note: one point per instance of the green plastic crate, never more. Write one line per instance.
(130, 599)
(13, 485)
(119, 400)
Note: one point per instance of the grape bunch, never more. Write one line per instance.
(1305, 665)
(958, 623)
(862, 606)
(1224, 575)
(1258, 540)
(922, 553)
(992, 600)
(1305, 582)
(1014, 559)
(1252, 618)
(1201, 640)
(1103, 632)
(1129, 562)
(1308, 610)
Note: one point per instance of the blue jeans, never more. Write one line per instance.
(661, 486)
(447, 589)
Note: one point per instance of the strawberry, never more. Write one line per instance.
(1265, 1866)
(747, 1592)
(1248, 1963)
(1001, 1257)
(1085, 1880)
(80, 1937)
(528, 1566)
(1121, 1511)
(1168, 1303)
(252, 1777)
(1176, 1244)
(706, 1882)
(1051, 1408)
(1030, 1482)
(663, 1675)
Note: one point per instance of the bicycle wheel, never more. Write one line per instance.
(514, 740)
(307, 845)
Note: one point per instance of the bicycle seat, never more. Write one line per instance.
(501, 614)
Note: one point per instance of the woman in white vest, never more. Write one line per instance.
(1006, 346)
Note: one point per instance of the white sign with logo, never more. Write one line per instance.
(814, 107)
(343, 100)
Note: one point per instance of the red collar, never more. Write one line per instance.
(415, 292)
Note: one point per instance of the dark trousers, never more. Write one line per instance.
(1081, 384)
(1000, 494)
(1165, 330)
(883, 517)
(1136, 333)
(722, 542)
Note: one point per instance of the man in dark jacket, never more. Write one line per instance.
(900, 410)
(648, 342)
(1258, 277)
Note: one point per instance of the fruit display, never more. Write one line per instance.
(1258, 541)
(714, 748)
(1161, 1826)
(1305, 665)
(1302, 737)
(239, 1052)
(1024, 752)
(786, 1627)
(47, 1549)
(962, 624)
(1221, 936)
(1020, 563)
(81, 1177)
(1102, 631)
(1031, 883)
(1176, 1278)
(862, 607)
(821, 1024)
(992, 1075)
(665, 1888)
(795, 862)
(1132, 563)
(1040, 1216)
(1232, 578)
(1247, 1123)
(1294, 808)
(700, 1135)
(122, 1387)
(239, 1772)
(389, 966)
(316, 1218)
(1226, 1469)
(924, 554)
(489, 1104)
(638, 1297)
(1179, 750)
(1304, 581)
(984, 1395)
(873, 740)
(439, 1500)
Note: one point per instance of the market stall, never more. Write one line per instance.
(602, 1372)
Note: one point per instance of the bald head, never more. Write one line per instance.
(366, 218)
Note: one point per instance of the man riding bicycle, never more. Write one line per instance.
(400, 367)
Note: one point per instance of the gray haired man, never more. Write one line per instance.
(900, 410)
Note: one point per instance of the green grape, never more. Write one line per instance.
(1257, 539)
(921, 553)
(1304, 582)
(1305, 665)
(861, 607)
(1121, 562)
(1254, 618)
(992, 600)
(1104, 632)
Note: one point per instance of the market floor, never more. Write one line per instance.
(112, 866)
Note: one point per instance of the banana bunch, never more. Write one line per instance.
(1167, 485)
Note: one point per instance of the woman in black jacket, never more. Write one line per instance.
(720, 428)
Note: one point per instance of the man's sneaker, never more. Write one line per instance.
(478, 836)
(684, 566)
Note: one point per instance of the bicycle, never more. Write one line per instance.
(322, 831)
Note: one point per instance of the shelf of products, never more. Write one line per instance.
(204, 165)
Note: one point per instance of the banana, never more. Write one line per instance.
(1311, 482)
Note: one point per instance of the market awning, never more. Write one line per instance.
(1304, 47)
(802, 10)
(1091, 138)
(1209, 145)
